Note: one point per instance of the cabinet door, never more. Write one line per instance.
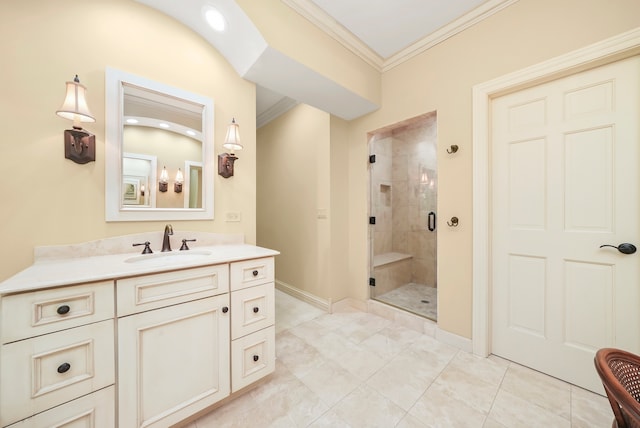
(173, 362)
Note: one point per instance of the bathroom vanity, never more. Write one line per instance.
(95, 336)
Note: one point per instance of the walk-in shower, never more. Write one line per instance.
(402, 230)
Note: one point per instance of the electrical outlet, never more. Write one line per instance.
(232, 217)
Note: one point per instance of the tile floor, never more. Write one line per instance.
(354, 369)
(419, 299)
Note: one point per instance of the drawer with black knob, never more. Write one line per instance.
(46, 371)
(252, 309)
(40, 312)
(252, 357)
(252, 272)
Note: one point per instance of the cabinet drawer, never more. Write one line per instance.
(252, 309)
(96, 410)
(39, 312)
(147, 292)
(40, 373)
(252, 357)
(251, 272)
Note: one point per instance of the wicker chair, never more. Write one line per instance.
(620, 374)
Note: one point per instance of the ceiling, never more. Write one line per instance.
(383, 33)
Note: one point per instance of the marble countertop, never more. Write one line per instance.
(112, 258)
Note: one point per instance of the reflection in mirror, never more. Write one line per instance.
(138, 179)
(193, 182)
(153, 127)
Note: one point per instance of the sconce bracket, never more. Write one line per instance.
(177, 187)
(225, 164)
(79, 146)
(163, 187)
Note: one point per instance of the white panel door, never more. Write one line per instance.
(564, 182)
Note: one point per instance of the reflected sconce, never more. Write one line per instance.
(142, 190)
(177, 186)
(164, 180)
(79, 145)
(231, 143)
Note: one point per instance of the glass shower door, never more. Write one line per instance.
(403, 234)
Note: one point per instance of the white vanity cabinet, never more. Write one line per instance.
(57, 357)
(173, 345)
(106, 342)
(252, 321)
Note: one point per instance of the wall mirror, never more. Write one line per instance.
(159, 151)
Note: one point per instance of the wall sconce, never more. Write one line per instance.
(231, 143)
(142, 190)
(177, 186)
(79, 145)
(164, 180)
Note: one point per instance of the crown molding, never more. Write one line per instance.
(281, 107)
(326, 23)
(471, 18)
(321, 19)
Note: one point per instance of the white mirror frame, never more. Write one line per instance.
(114, 210)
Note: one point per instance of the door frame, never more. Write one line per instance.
(619, 47)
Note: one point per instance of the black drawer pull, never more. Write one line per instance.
(64, 367)
(225, 309)
(63, 310)
(256, 358)
(255, 273)
(256, 309)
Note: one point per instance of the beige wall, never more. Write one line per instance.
(302, 204)
(441, 79)
(293, 185)
(49, 200)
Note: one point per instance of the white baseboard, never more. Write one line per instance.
(306, 297)
(454, 340)
(348, 305)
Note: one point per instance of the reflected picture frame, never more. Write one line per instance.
(130, 190)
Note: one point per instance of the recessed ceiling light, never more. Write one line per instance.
(215, 19)
(163, 125)
(132, 121)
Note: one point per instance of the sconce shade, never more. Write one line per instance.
(177, 186)
(164, 180)
(232, 140)
(75, 106)
(79, 145)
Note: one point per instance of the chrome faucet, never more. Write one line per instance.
(166, 244)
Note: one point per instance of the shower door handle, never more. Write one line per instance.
(431, 221)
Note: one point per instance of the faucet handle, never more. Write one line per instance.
(147, 249)
(184, 244)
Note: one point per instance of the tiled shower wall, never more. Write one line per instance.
(404, 191)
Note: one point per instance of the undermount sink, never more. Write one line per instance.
(169, 257)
